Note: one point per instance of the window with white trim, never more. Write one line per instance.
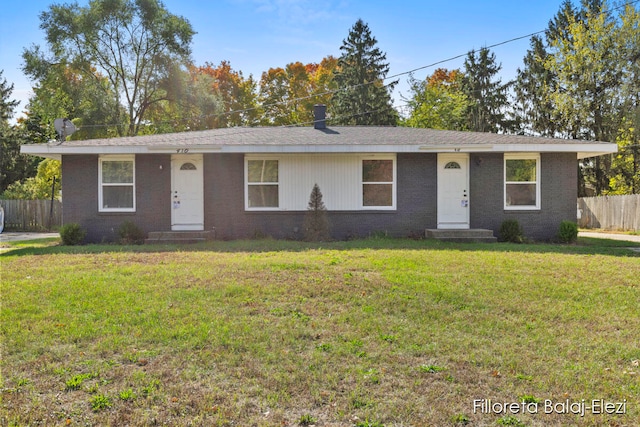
(116, 184)
(263, 187)
(521, 181)
(378, 183)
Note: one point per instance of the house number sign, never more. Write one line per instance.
(182, 150)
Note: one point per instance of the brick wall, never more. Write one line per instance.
(558, 185)
(80, 196)
(224, 199)
(224, 204)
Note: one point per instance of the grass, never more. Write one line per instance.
(269, 333)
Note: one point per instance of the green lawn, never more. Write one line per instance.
(363, 333)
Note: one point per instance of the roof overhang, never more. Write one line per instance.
(56, 151)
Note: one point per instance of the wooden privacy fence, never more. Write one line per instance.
(31, 215)
(610, 212)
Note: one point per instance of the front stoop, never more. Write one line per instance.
(463, 236)
(178, 237)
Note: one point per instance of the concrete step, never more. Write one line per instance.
(463, 236)
(178, 237)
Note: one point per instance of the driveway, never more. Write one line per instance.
(18, 236)
(612, 236)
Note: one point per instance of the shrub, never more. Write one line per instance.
(316, 223)
(131, 234)
(511, 231)
(72, 234)
(568, 232)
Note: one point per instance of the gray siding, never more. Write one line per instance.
(224, 199)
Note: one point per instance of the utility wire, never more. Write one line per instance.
(331, 92)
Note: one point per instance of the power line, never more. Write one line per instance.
(464, 54)
(331, 92)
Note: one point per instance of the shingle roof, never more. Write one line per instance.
(342, 135)
(365, 139)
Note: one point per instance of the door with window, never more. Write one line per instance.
(187, 198)
(453, 191)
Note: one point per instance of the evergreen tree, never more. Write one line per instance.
(7, 105)
(489, 95)
(536, 83)
(13, 165)
(625, 177)
(362, 98)
(533, 107)
(558, 27)
(589, 71)
(581, 81)
(316, 223)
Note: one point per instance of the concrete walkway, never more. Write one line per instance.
(612, 236)
(16, 237)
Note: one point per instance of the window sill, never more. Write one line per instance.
(522, 210)
(355, 212)
(118, 212)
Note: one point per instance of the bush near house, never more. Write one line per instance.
(511, 231)
(130, 234)
(568, 232)
(72, 234)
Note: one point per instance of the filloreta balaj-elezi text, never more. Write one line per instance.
(548, 406)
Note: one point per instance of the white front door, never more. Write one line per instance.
(187, 203)
(453, 191)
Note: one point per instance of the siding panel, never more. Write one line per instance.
(337, 176)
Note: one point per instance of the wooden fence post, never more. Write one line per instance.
(32, 215)
(610, 212)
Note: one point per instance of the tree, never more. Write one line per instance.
(62, 91)
(534, 83)
(133, 43)
(362, 98)
(7, 105)
(287, 96)
(488, 94)
(316, 223)
(625, 167)
(13, 165)
(274, 98)
(40, 186)
(321, 77)
(586, 60)
(583, 82)
(238, 94)
(192, 103)
(438, 102)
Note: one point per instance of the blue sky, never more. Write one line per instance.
(255, 35)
